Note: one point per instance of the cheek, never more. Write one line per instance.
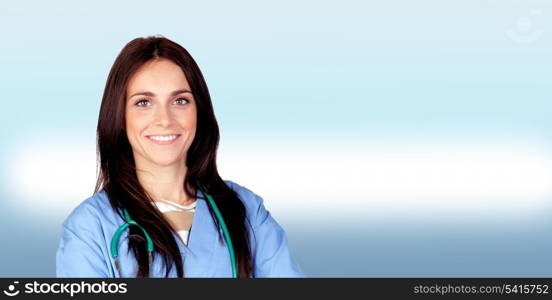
(189, 120)
(133, 123)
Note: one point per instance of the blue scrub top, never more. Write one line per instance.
(84, 249)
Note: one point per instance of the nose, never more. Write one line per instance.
(162, 116)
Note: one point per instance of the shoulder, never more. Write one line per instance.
(90, 213)
(242, 191)
(253, 203)
(83, 247)
(272, 257)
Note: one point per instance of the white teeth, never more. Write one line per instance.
(161, 138)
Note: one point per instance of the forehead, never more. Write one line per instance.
(158, 76)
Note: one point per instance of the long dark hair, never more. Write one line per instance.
(117, 172)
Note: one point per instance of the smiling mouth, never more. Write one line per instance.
(163, 139)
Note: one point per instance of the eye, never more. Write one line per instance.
(142, 102)
(180, 101)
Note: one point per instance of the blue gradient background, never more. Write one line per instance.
(334, 73)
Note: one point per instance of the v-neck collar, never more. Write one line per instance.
(198, 256)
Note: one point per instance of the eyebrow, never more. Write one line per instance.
(150, 94)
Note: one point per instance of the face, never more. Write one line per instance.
(160, 114)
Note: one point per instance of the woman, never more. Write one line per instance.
(160, 208)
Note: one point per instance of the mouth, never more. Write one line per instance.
(163, 139)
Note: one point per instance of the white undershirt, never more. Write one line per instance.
(179, 216)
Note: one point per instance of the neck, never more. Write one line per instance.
(164, 182)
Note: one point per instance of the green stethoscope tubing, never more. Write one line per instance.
(130, 222)
(225, 233)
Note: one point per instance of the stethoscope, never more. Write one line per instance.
(130, 222)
